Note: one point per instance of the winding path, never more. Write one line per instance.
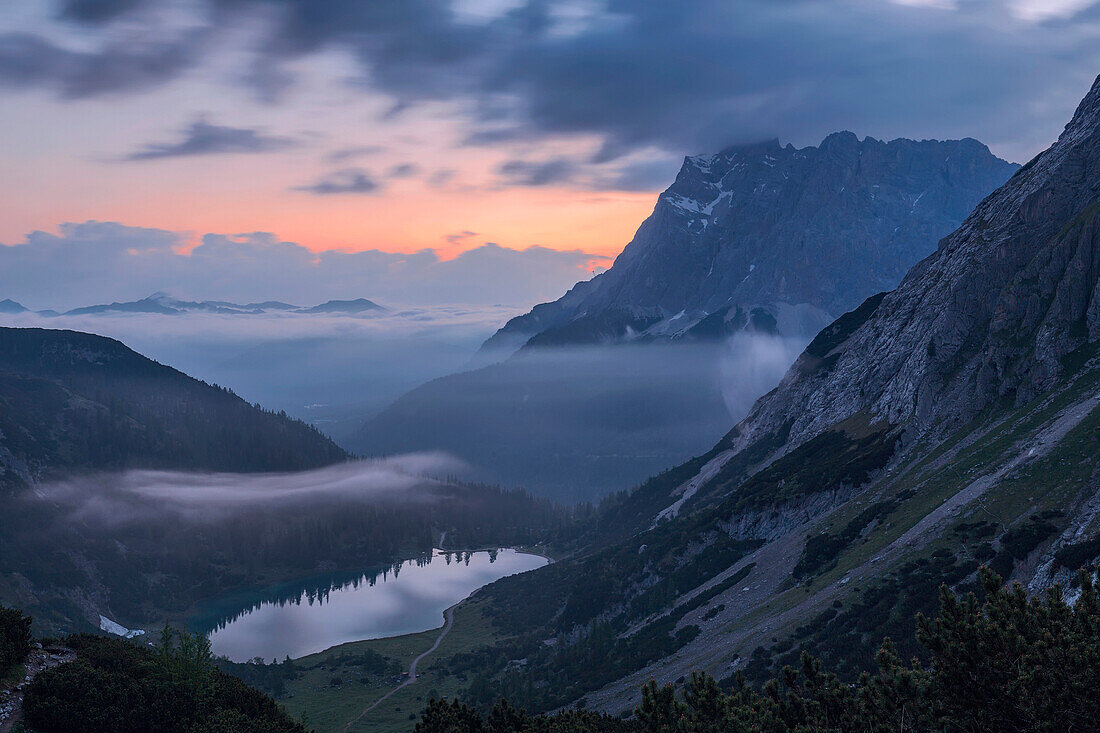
(448, 619)
(11, 700)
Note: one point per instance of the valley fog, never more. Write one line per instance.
(333, 371)
(144, 496)
(568, 423)
(579, 423)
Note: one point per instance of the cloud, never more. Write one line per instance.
(119, 498)
(96, 262)
(751, 364)
(442, 177)
(460, 237)
(538, 173)
(349, 180)
(96, 11)
(29, 60)
(204, 138)
(648, 174)
(350, 153)
(635, 75)
(692, 75)
(403, 170)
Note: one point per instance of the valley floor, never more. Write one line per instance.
(390, 704)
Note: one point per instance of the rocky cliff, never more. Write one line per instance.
(992, 315)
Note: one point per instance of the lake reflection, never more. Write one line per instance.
(406, 598)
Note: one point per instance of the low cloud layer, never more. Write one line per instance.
(575, 423)
(98, 262)
(131, 496)
(752, 364)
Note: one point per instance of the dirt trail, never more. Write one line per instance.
(11, 699)
(448, 620)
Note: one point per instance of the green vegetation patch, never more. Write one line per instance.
(1007, 663)
(829, 461)
(842, 328)
(821, 550)
(122, 686)
(1020, 541)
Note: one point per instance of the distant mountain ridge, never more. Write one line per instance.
(72, 401)
(799, 234)
(359, 305)
(164, 304)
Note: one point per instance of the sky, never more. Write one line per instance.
(238, 140)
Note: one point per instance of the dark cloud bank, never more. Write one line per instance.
(683, 75)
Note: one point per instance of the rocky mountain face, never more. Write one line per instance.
(800, 235)
(949, 423)
(990, 317)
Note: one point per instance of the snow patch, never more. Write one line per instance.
(685, 204)
(106, 624)
(703, 162)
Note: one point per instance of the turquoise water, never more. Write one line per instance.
(405, 598)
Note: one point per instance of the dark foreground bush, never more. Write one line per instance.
(1010, 663)
(118, 686)
(15, 638)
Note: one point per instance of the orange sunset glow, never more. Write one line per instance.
(563, 219)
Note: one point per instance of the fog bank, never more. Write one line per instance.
(334, 371)
(140, 495)
(579, 423)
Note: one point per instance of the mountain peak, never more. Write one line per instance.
(843, 140)
(803, 233)
(359, 305)
(1087, 117)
